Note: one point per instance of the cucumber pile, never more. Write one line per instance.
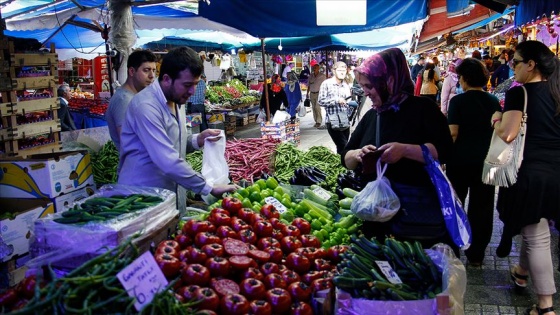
(106, 208)
(362, 277)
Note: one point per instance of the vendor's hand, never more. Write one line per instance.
(393, 152)
(208, 133)
(219, 190)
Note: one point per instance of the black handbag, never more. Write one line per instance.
(339, 121)
(307, 103)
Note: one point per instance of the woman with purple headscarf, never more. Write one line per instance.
(396, 126)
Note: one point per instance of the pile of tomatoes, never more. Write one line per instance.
(239, 261)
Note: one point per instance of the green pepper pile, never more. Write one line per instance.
(105, 163)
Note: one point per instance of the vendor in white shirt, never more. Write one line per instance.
(154, 138)
(287, 70)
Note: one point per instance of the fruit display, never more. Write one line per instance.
(92, 106)
(232, 94)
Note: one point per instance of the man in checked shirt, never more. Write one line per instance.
(333, 96)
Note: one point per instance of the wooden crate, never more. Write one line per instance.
(230, 129)
(242, 121)
(12, 148)
(252, 118)
(31, 129)
(33, 83)
(8, 109)
(34, 60)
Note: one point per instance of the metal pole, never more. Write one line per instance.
(108, 56)
(265, 86)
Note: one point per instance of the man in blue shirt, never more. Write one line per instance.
(154, 138)
(141, 70)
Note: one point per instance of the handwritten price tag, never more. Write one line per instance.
(321, 192)
(142, 279)
(388, 271)
(277, 204)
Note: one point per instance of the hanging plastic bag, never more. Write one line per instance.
(261, 117)
(455, 217)
(377, 201)
(214, 165)
(280, 116)
(302, 111)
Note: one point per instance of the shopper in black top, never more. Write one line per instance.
(468, 117)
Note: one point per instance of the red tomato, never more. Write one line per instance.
(303, 225)
(233, 205)
(195, 274)
(263, 228)
(321, 284)
(218, 266)
(206, 299)
(219, 219)
(219, 210)
(193, 227)
(252, 272)
(300, 291)
(260, 307)
(241, 262)
(309, 240)
(290, 276)
(277, 234)
(301, 308)
(275, 253)
(188, 292)
(224, 286)
(246, 214)
(321, 253)
(291, 230)
(167, 250)
(267, 242)
(204, 238)
(169, 265)
(269, 212)
(256, 218)
(321, 264)
(276, 223)
(290, 244)
(298, 263)
(252, 288)
(259, 255)
(279, 299)
(237, 224)
(26, 288)
(334, 253)
(226, 231)
(235, 247)
(196, 256)
(274, 280)
(247, 236)
(269, 268)
(170, 243)
(213, 250)
(234, 304)
(184, 240)
(309, 277)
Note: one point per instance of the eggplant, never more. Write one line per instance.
(318, 173)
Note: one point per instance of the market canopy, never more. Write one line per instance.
(75, 26)
(296, 18)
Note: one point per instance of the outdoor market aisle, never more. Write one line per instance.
(489, 288)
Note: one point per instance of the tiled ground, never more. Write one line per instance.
(489, 288)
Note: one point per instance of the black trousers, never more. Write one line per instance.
(339, 137)
(467, 179)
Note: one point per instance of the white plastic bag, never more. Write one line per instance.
(280, 116)
(261, 117)
(377, 201)
(302, 111)
(214, 165)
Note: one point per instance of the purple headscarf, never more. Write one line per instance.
(389, 74)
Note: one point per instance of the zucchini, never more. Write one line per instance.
(349, 192)
(345, 203)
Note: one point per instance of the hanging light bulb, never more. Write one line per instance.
(280, 45)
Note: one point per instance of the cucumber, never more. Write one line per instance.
(72, 213)
(349, 192)
(68, 220)
(345, 203)
(352, 283)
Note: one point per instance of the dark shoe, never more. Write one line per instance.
(504, 248)
(317, 125)
(535, 310)
(323, 127)
(520, 281)
(475, 264)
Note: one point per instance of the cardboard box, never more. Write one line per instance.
(45, 175)
(194, 119)
(17, 231)
(215, 117)
(66, 201)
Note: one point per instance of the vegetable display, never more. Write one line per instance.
(105, 163)
(248, 260)
(361, 276)
(249, 158)
(92, 288)
(106, 208)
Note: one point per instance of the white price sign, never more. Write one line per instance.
(388, 271)
(142, 279)
(277, 204)
(321, 192)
